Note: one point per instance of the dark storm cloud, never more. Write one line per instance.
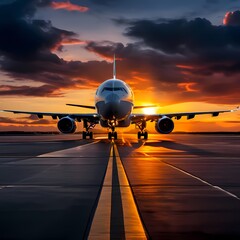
(25, 38)
(44, 91)
(19, 8)
(134, 59)
(181, 36)
(207, 47)
(55, 76)
(188, 77)
(26, 46)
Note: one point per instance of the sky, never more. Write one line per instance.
(181, 55)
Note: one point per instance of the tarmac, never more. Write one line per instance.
(177, 186)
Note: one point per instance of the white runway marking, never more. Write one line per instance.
(66, 152)
(203, 181)
(59, 153)
(199, 179)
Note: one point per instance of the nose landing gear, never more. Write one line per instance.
(112, 134)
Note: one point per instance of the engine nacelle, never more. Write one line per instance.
(67, 125)
(164, 125)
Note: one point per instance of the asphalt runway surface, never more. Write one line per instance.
(179, 186)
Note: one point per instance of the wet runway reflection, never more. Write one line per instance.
(186, 187)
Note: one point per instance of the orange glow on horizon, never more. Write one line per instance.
(225, 122)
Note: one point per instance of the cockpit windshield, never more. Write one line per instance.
(114, 89)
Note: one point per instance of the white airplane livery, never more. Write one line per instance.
(114, 104)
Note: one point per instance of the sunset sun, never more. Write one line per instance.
(149, 111)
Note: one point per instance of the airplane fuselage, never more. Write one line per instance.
(114, 103)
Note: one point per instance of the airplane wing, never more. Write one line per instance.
(178, 115)
(93, 107)
(57, 115)
(82, 106)
(148, 106)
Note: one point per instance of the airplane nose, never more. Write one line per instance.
(112, 98)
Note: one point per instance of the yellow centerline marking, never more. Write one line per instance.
(100, 228)
(132, 223)
(101, 224)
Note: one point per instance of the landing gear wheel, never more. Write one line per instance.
(145, 135)
(85, 134)
(91, 135)
(139, 135)
(112, 135)
(141, 125)
(115, 135)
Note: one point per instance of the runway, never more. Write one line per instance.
(179, 186)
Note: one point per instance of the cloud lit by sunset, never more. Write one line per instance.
(232, 18)
(68, 6)
(189, 87)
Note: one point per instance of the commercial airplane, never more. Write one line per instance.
(114, 103)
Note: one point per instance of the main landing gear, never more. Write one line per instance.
(141, 126)
(88, 125)
(143, 134)
(87, 134)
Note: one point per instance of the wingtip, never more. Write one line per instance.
(235, 109)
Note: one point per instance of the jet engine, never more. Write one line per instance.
(66, 125)
(164, 125)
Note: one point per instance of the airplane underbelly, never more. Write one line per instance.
(123, 123)
(114, 110)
